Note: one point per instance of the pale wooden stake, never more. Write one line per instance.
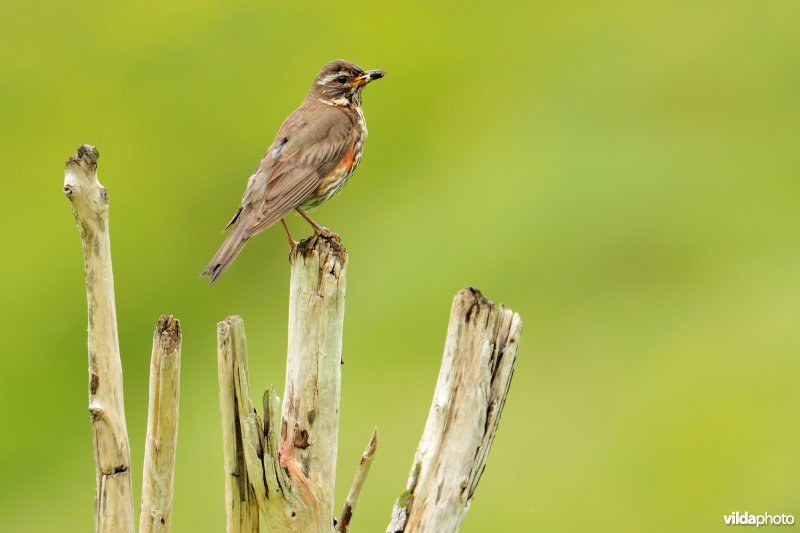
(285, 467)
(240, 502)
(310, 410)
(473, 382)
(113, 502)
(162, 427)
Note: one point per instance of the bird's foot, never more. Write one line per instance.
(324, 232)
(328, 234)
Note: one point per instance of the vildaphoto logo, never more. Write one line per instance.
(758, 520)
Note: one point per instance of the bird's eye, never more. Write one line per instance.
(342, 79)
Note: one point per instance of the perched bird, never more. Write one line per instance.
(315, 152)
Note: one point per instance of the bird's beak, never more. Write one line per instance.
(369, 76)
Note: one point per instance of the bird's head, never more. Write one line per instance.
(341, 82)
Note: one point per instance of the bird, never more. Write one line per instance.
(316, 150)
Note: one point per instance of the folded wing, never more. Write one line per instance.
(309, 145)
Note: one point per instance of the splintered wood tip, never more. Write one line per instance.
(327, 247)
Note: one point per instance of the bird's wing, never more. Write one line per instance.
(309, 145)
(307, 148)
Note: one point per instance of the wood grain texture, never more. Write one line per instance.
(241, 507)
(162, 427)
(473, 383)
(310, 411)
(113, 502)
(285, 466)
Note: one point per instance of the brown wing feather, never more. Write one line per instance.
(310, 153)
(309, 145)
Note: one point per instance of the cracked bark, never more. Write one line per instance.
(113, 500)
(162, 427)
(285, 467)
(473, 383)
(240, 500)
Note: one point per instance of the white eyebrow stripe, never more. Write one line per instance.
(330, 77)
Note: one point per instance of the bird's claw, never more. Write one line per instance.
(325, 232)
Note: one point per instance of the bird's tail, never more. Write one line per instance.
(226, 254)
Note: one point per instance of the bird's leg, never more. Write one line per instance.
(292, 242)
(318, 230)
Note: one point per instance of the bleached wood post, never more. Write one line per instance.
(162, 427)
(473, 382)
(113, 502)
(241, 508)
(310, 410)
(286, 466)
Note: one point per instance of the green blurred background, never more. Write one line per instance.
(623, 174)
